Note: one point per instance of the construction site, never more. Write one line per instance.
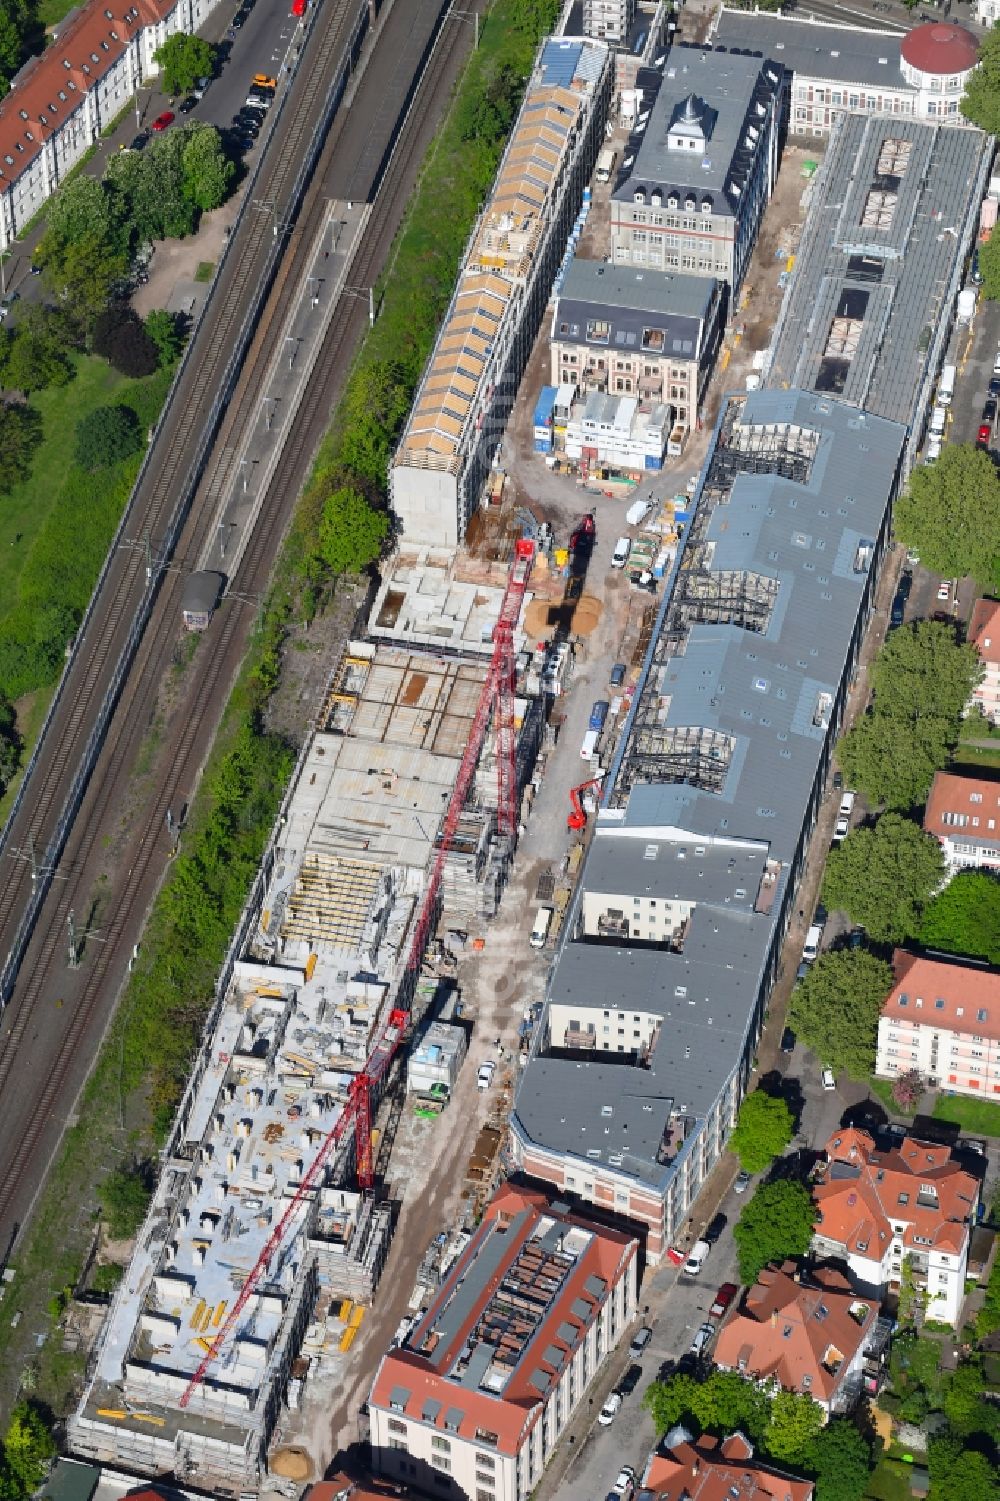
(268, 1231)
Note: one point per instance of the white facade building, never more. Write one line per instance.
(942, 1019)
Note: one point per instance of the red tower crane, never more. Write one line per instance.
(496, 701)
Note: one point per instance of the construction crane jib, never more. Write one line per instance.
(495, 702)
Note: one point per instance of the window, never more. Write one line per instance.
(395, 1426)
(485, 1461)
(443, 1444)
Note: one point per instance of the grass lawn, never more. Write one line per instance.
(981, 1117)
(27, 507)
(882, 1089)
(975, 757)
(890, 1481)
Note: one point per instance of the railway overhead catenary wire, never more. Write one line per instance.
(357, 1113)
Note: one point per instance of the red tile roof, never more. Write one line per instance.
(965, 797)
(862, 1191)
(984, 629)
(950, 997)
(342, 1488)
(427, 1371)
(803, 1335)
(51, 88)
(704, 1469)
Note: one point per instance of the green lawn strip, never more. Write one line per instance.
(65, 519)
(974, 757)
(982, 1117)
(889, 1481)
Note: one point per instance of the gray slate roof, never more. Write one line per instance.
(727, 88)
(633, 301)
(812, 49)
(671, 870)
(896, 278)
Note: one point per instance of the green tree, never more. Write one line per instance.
(489, 114)
(20, 435)
(28, 1447)
(841, 1459)
(165, 331)
(892, 761)
(351, 532)
(967, 1409)
(964, 918)
(796, 1421)
(20, 36)
(81, 271)
(720, 1403)
(32, 362)
(836, 1008)
(950, 512)
(10, 743)
(981, 100)
(883, 877)
(922, 669)
(124, 1196)
(764, 1127)
(183, 59)
(776, 1223)
(208, 171)
(106, 436)
(989, 267)
(958, 1472)
(375, 408)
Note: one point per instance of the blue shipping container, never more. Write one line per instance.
(544, 407)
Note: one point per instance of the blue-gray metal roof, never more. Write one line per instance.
(814, 49)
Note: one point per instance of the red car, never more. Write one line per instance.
(162, 121)
(723, 1298)
(984, 436)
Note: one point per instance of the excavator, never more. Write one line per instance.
(577, 818)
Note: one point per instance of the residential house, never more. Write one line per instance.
(475, 1400)
(654, 335)
(895, 1215)
(710, 1469)
(61, 101)
(942, 1019)
(806, 1331)
(963, 812)
(984, 634)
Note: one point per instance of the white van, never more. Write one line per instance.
(938, 418)
(847, 803)
(543, 922)
(588, 750)
(697, 1258)
(810, 949)
(606, 164)
(946, 386)
(620, 555)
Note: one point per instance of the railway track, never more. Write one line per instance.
(196, 716)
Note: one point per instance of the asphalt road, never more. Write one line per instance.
(56, 1017)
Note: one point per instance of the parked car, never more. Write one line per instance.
(264, 81)
(996, 364)
(838, 780)
(703, 1337)
(486, 1071)
(990, 409)
(788, 1041)
(162, 121)
(187, 105)
(697, 1258)
(610, 1410)
(630, 1380)
(714, 1228)
(137, 142)
(640, 1340)
(944, 590)
(829, 1082)
(994, 386)
(618, 674)
(723, 1299)
(855, 938)
(624, 1486)
(843, 826)
(742, 1181)
(6, 303)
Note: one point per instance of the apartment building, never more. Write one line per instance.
(465, 397)
(907, 1206)
(807, 1331)
(963, 812)
(683, 1468)
(656, 999)
(702, 168)
(942, 1018)
(60, 102)
(475, 1400)
(834, 69)
(627, 332)
(609, 20)
(984, 634)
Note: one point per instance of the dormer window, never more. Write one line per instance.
(639, 196)
(706, 205)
